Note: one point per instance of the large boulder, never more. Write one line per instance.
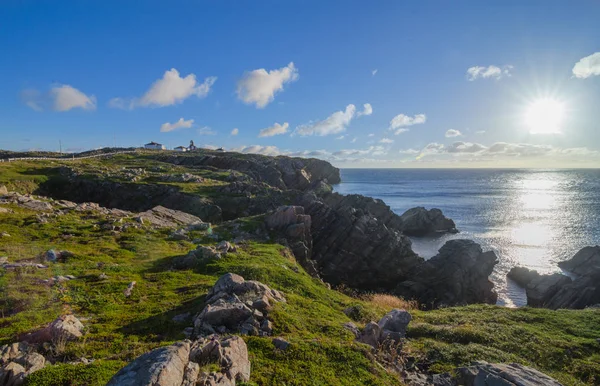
(421, 222)
(237, 305)
(181, 364)
(500, 374)
(164, 366)
(458, 274)
(540, 289)
(63, 328)
(390, 328)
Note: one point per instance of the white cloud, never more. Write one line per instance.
(494, 72)
(340, 137)
(353, 140)
(374, 72)
(66, 97)
(259, 86)
(169, 90)
(402, 120)
(386, 140)
(206, 131)
(334, 124)
(371, 135)
(480, 132)
(235, 131)
(367, 110)
(453, 133)
(588, 66)
(180, 124)
(276, 129)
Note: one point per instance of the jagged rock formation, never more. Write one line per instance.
(295, 226)
(559, 291)
(180, 364)
(352, 246)
(458, 274)
(237, 305)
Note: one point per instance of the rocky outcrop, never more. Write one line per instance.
(500, 374)
(586, 262)
(128, 196)
(458, 274)
(422, 222)
(279, 172)
(352, 246)
(559, 291)
(237, 305)
(17, 361)
(180, 364)
(294, 225)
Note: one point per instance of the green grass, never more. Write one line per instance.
(118, 329)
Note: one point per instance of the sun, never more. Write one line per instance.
(545, 116)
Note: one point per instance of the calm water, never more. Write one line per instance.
(531, 218)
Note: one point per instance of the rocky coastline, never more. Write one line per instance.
(352, 243)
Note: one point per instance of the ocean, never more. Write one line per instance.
(531, 218)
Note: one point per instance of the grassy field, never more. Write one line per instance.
(562, 343)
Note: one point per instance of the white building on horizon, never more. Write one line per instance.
(154, 146)
(181, 148)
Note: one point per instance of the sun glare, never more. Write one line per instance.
(545, 116)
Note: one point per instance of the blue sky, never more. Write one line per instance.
(448, 83)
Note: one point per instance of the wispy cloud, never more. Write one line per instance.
(386, 140)
(374, 72)
(493, 72)
(235, 131)
(453, 133)
(260, 86)
(206, 131)
(588, 66)
(276, 129)
(180, 124)
(60, 98)
(334, 124)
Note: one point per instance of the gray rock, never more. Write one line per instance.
(237, 305)
(499, 374)
(12, 374)
(371, 335)
(352, 328)
(393, 324)
(169, 218)
(179, 234)
(164, 366)
(280, 344)
(129, 290)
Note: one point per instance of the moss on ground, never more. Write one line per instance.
(118, 328)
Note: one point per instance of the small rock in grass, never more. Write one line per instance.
(129, 289)
(281, 344)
